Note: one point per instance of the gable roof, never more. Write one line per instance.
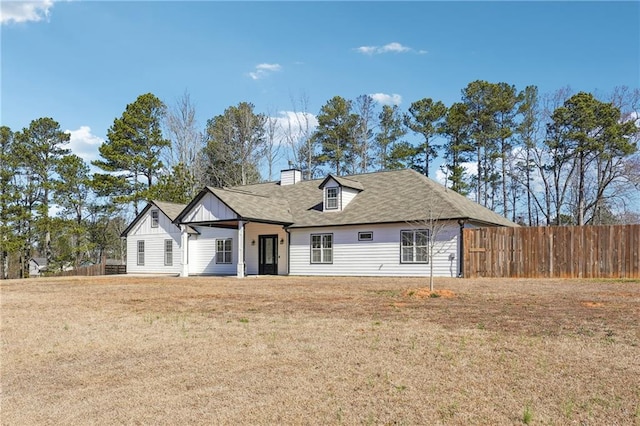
(254, 206)
(342, 181)
(170, 210)
(40, 261)
(247, 205)
(385, 197)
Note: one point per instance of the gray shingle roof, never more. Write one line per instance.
(170, 209)
(254, 205)
(342, 181)
(385, 197)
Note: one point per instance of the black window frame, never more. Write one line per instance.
(322, 249)
(224, 251)
(168, 254)
(140, 253)
(360, 238)
(415, 248)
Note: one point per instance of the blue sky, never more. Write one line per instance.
(82, 62)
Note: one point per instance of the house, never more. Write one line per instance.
(363, 225)
(37, 265)
(154, 240)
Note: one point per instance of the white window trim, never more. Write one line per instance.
(321, 249)
(414, 247)
(224, 251)
(168, 254)
(327, 205)
(140, 244)
(155, 218)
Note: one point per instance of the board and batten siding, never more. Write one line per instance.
(379, 257)
(202, 251)
(154, 243)
(252, 233)
(209, 208)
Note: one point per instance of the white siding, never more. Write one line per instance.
(209, 208)
(153, 246)
(378, 257)
(252, 232)
(347, 195)
(202, 251)
(290, 177)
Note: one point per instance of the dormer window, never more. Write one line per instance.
(338, 192)
(154, 218)
(331, 202)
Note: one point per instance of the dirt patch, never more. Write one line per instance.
(425, 293)
(593, 304)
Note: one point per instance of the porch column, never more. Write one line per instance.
(240, 265)
(184, 243)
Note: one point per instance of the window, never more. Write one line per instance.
(141, 253)
(321, 248)
(365, 236)
(154, 218)
(223, 251)
(168, 252)
(332, 198)
(414, 246)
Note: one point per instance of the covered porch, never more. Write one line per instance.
(235, 247)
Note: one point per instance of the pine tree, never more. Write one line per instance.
(131, 153)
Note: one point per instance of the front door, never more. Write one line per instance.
(268, 254)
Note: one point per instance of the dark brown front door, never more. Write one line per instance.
(268, 254)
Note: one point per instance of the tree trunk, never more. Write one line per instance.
(581, 189)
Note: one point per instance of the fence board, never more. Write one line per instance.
(559, 252)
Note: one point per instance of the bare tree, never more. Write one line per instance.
(187, 140)
(273, 139)
(235, 144)
(364, 107)
(427, 239)
(298, 132)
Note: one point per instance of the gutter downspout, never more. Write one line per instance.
(461, 254)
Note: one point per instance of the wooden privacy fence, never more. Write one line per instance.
(553, 251)
(92, 270)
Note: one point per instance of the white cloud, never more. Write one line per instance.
(393, 47)
(292, 124)
(367, 50)
(263, 70)
(84, 144)
(24, 11)
(385, 99)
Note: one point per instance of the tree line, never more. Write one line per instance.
(553, 159)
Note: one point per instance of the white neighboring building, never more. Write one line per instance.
(37, 265)
(361, 225)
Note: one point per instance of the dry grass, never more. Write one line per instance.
(290, 350)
